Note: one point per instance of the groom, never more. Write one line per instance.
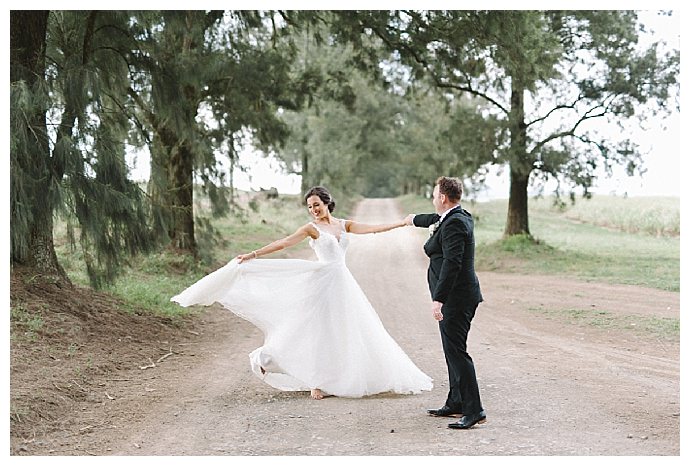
(455, 294)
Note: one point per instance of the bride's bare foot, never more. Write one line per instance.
(316, 394)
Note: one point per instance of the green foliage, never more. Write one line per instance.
(81, 172)
(189, 85)
(210, 81)
(389, 140)
(192, 85)
(149, 285)
(33, 193)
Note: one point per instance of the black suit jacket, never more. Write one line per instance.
(451, 275)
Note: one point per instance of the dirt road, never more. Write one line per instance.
(549, 386)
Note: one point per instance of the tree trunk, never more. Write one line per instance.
(177, 147)
(182, 197)
(231, 177)
(304, 172)
(157, 188)
(517, 222)
(27, 63)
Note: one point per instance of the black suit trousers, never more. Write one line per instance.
(463, 394)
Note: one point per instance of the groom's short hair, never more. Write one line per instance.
(451, 187)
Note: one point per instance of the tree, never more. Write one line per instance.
(543, 74)
(185, 84)
(204, 80)
(444, 134)
(319, 82)
(89, 83)
(341, 144)
(75, 165)
(171, 57)
(384, 139)
(33, 189)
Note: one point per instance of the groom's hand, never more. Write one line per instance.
(436, 310)
(409, 220)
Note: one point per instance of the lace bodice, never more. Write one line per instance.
(328, 247)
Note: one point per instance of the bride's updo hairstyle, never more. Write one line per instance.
(323, 194)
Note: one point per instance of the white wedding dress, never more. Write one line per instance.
(320, 329)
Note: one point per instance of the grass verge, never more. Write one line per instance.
(665, 328)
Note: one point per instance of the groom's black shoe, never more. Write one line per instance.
(469, 420)
(444, 411)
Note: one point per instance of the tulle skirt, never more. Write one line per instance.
(320, 331)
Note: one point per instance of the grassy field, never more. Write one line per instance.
(582, 241)
(657, 216)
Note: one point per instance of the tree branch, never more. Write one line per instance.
(88, 37)
(470, 91)
(427, 67)
(131, 116)
(571, 132)
(553, 110)
(150, 116)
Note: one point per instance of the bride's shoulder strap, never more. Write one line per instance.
(314, 227)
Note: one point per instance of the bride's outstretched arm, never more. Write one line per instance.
(363, 228)
(283, 243)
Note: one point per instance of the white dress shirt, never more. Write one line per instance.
(443, 215)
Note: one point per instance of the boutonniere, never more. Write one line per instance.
(433, 227)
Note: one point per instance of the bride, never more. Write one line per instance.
(321, 334)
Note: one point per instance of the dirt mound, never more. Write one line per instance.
(69, 345)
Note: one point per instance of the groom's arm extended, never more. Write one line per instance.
(453, 236)
(424, 220)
